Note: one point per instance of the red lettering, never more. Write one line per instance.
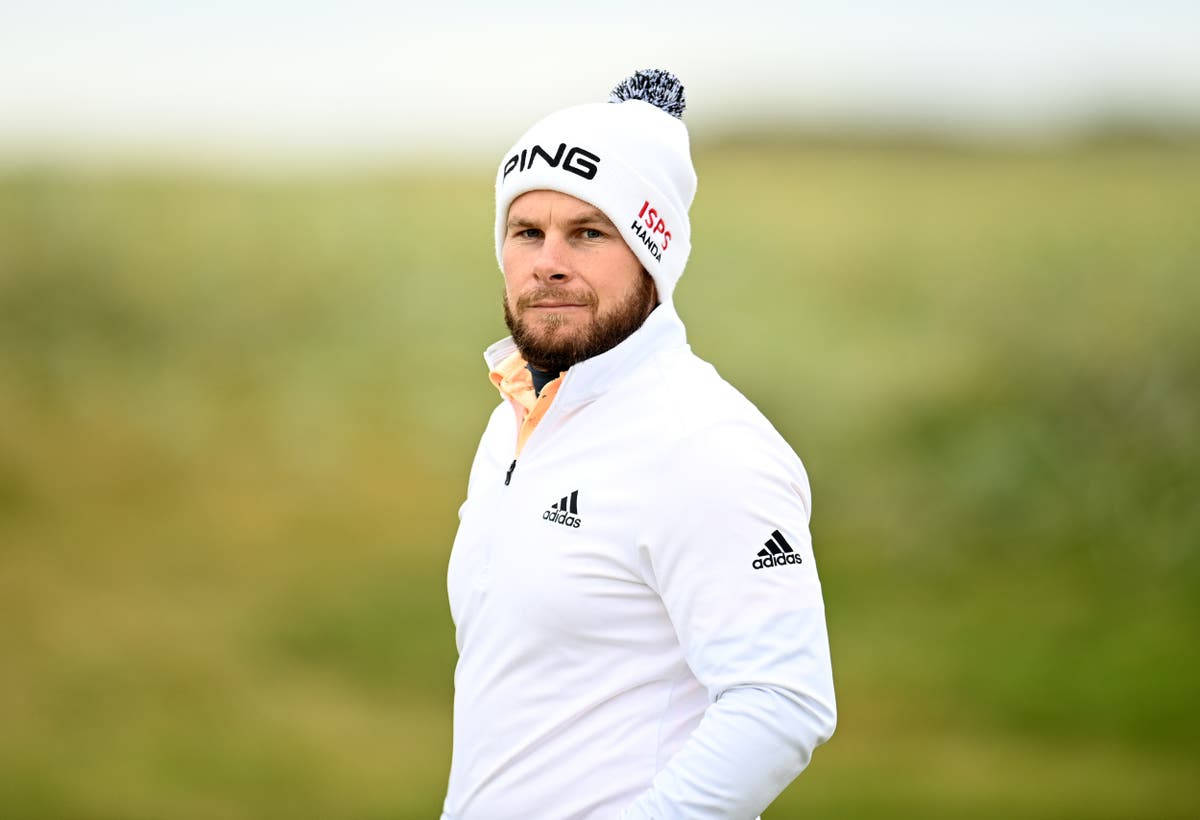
(653, 223)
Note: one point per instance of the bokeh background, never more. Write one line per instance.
(246, 275)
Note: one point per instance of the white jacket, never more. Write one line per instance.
(640, 625)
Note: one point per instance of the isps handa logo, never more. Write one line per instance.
(647, 226)
(576, 160)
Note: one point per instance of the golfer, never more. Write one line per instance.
(640, 626)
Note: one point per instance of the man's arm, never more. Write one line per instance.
(751, 743)
(754, 635)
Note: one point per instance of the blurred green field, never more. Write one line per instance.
(236, 417)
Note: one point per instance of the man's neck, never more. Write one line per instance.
(541, 378)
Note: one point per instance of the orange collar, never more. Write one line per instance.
(515, 383)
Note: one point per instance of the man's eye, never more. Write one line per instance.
(530, 233)
(592, 233)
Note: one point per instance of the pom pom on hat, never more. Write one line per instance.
(662, 89)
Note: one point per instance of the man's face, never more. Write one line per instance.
(572, 287)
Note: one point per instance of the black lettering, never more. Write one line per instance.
(581, 162)
(644, 235)
(777, 560)
(576, 524)
(578, 161)
(552, 160)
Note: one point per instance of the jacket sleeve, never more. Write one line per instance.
(751, 627)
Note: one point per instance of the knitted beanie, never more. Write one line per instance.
(629, 157)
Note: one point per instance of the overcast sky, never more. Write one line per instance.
(377, 79)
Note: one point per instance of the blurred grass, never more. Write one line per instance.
(236, 417)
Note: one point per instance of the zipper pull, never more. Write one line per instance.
(508, 475)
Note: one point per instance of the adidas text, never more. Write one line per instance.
(565, 511)
(776, 552)
(776, 560)
(561, 518)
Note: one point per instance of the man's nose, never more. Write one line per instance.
(553, 263)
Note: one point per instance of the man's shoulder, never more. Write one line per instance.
(499, 413)
(698, 414)
(717, 438)
(703, 399)
(499, 425)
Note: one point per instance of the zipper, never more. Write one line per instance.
(557, 401)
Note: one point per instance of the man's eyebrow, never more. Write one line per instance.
(590, 216)
(586, 218)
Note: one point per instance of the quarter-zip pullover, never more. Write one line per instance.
(639, 620)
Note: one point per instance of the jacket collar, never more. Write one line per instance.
(584, 381)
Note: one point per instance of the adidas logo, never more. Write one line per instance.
(777, 553)
(565, 511)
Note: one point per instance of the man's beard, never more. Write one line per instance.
(541, 345)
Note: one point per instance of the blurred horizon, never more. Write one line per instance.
(319, 84)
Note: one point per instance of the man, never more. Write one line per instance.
(640, 625)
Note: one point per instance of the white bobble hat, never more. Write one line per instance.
(629, 157)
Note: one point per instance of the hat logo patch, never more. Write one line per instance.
(646, 225)
(578, 160)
